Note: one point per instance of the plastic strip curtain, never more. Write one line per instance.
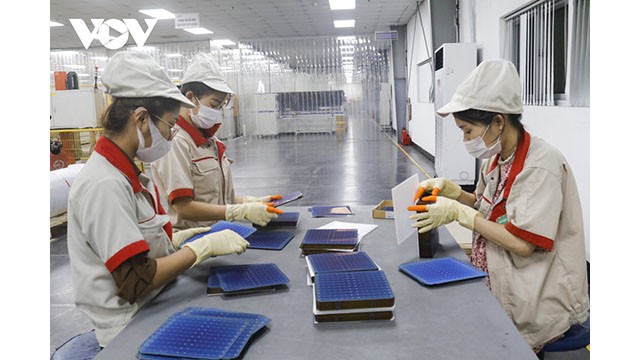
(91, 62)
(580, 82)
(306, 74)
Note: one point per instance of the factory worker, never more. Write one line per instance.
(525, 213)
(121, 246)
(195, 176)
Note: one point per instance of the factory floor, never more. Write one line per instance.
(358, 167)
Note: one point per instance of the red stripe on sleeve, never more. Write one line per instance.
(125, 253)
(180, 193)
(535, 239)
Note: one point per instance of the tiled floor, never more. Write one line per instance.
(358, 168)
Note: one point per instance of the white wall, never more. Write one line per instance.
(566, 128)
(423, 124)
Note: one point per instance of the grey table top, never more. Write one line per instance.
(460, 320)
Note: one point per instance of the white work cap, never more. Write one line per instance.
(205, 69)
(492, 86)
(135, 74)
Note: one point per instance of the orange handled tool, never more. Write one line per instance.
(274, 210)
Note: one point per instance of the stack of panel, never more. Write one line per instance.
(441, 271)
(331, 211)
(352, 296)
(202, 333)
(317, 241)
(243, 279)
(286, 219)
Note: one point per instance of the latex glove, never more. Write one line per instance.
(219, 243)
(265, 199)
(179, 237)
(447, 187)
(256, 212)
(443, 212)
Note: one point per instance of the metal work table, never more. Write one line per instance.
(455, 321)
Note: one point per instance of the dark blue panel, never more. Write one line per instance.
(326, 211)
(331, 237)
(286, 219)
(332, 262)
(440, 271)
(352, 286)
(242, 230)
(243, 277)
(288, 198)
(270, 240)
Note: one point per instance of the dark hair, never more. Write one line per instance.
(198, 89)
(485, 117)
(115, 117)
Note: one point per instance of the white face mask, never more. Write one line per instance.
(206, 117)
(160, 146)
(478, 149)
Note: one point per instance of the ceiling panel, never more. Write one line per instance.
(233, 19)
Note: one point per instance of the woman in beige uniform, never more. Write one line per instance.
(525, 212)
(121, 245)
(195, 177)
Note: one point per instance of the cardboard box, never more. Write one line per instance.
(384, 210)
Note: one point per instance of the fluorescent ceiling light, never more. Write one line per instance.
(173, 55)
(344, 23)
(346, 38)
(54, 24)
(160, 14)
(224, 42)
(342, 4)
(198, 31)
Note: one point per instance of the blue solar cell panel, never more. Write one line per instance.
(324, 211)
(270, 240)
(331, 237)
(334, 262)
(440, 271)
(201, 337)
(286, 219)
(349, 286)
(252, 276)
(242, 230)
(287, 198)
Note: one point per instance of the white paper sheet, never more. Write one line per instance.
(363, 229)
(402, 195)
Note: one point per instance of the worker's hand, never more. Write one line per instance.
(265, 199)
(443, 212)
(447, 187)
(219, 243)
(256, 212)
(181, 236)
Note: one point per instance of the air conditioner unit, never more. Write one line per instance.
(453, 62)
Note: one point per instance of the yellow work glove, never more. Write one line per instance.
(179, 237)
(219, 243)
(265, 199)
(447, 187)
(256, 212)
(443, 212)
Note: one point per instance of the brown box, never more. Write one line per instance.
(379, 211)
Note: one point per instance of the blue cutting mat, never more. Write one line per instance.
(334, 237)
(440, 271)
(325, 211)
(288, 198)
(243, 277)
(332, 262)
(242, 230)
(352, 286)
(269, 240)
(286, 219)
(202, 337)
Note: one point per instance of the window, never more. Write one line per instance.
(548, 42)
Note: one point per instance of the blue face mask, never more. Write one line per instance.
(159, 145)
